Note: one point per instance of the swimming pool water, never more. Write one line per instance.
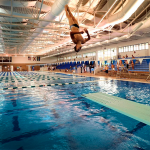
(59, 118)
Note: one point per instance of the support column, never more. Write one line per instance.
(0, 68)
(11, 68)
(96, 59)
(148, 48)
(117, 52)
(82, 57)
(29, 68)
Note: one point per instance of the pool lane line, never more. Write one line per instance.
(30, 75)
(21, 77)
(44, 85)
(16, 75)
(25, 80)
(29, 80)
(39, 77)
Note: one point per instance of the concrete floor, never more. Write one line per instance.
(108, 77)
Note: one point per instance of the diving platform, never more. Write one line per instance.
(131, 109)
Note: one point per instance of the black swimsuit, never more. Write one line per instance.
(74, 25)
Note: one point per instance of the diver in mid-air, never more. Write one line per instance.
(75, 34)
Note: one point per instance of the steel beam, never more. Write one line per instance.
(30, 18)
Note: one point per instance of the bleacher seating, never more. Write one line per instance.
(71, 65)
(67, 65)
(143, 67)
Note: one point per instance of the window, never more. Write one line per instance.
(100, 55)
(108, 54)
(143, 46)
(88, 54)
(124, 49)
(120, 49)
(69, 57)
(94, 54)
(79, 56)
(140, 46)
(136, 47)
(113, 53)
(1, 59)
(10, 60)
(84, 55)
(146, 46)
(131, 48)
(5, 59)
(105, 52)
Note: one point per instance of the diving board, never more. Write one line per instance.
(132, 109)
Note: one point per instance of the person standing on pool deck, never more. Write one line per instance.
(75, 34)
(106, 69)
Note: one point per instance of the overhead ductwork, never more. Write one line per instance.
(19, 3)
(119, 17)
(22, 21)
(56, 9)
(11, 27)
(137, 28)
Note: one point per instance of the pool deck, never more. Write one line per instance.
(106, 77)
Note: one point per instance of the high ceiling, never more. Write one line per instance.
(40, 27)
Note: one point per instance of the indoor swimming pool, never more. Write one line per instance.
(47, 111)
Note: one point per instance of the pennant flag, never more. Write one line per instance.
(38, 58)
(140, 60)
(34, 58)
(29, 58)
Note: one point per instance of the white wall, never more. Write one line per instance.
(48, 60)
(21, 59)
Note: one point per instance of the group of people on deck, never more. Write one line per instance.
(120, 66)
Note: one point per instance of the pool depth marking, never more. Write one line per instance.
(44, 85)
(132, 109)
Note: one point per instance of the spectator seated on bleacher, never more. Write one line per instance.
(127, 65)
(113, 67)
(133, 57)
(106, 69)
(66, 70)
(132, 64)
(117, 66)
